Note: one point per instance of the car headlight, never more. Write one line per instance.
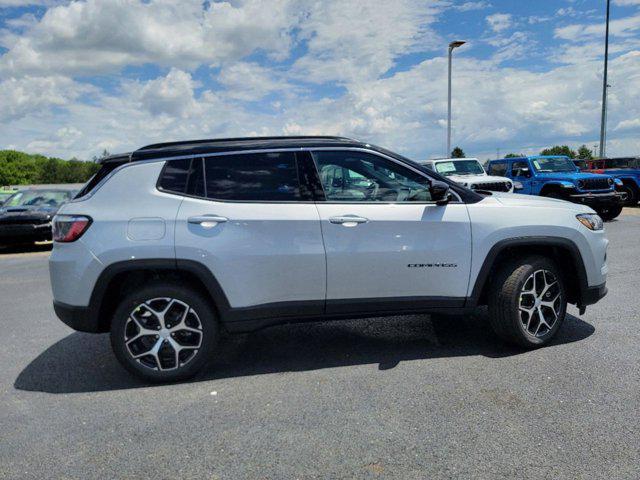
(580, 184)
(591, 220)
(610, 180)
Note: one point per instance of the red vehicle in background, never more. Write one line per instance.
(625, 169)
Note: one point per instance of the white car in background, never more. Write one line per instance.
(469, 173)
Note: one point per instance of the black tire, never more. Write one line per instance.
(609, 213)
(200, 316)
(506, 296)
(632, 195)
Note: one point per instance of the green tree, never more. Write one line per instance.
(513, 155)
(585, 153)
(457, 153)
(559, 150)
(19, 168)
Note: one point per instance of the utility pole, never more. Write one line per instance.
(603, 119)
(452, 46)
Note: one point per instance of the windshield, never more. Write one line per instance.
(554, 164)
(460, 167)
(28, 198)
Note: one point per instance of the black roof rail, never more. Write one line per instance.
(155, 146)
(219, 145)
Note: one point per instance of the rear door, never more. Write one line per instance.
(251, 221)
(389, 247)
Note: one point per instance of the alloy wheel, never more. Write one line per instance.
(540, 303)
(163, 334)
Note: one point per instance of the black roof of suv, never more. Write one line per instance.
(195, 147)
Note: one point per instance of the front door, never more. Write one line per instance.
(521, 173)
(388, 246)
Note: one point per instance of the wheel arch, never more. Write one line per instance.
(563, 251)
(120, 277)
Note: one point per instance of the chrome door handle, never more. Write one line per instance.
(348, 220)
(207, 221)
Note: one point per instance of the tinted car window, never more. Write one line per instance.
(252, 177)
(348, 176)
(93, 182)
(520, 169)
(498, 169)
(175, 175)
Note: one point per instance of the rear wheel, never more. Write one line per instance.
(163, 332)
(527, 303)
(609, 213)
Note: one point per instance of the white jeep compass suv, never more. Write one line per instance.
(170, 244)
(469, 173)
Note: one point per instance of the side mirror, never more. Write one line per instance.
(517, 186)
(439, 192)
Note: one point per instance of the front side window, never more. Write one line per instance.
(252, 177)
(349, 176)
(520, 169)
(459, 167)
(554, 164)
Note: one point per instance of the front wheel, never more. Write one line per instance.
(163, 332)
(609, 213)
(527, 303)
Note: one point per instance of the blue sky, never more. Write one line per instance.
(77, 78)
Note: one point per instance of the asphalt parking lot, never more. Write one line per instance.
(406, 397)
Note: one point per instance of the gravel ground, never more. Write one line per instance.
(407, 397)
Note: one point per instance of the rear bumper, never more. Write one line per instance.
(593, 294)
(600, 199)
(78, 318)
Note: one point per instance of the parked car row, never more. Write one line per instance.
(605, 190)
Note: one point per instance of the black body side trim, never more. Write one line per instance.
(502, 245)
(78, 318)
(594, 294)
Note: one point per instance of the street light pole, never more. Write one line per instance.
(452, 46)
(603, 119)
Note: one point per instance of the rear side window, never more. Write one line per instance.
(499, 169)
(252, 177)
(175, 175)
(93, 182)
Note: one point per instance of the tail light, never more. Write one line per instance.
(69, 228)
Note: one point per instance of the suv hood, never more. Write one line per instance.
(26, 213)
(477, 179)
(516, 200)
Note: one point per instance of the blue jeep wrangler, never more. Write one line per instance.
(558, 177)
(626, 169)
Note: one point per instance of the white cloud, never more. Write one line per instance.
(252, 82)
(499, 22)
(630, 124)
(626, 3)
(106, 35)
(623, 27)
(31, 95)
(359, 39)
(470, 6)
